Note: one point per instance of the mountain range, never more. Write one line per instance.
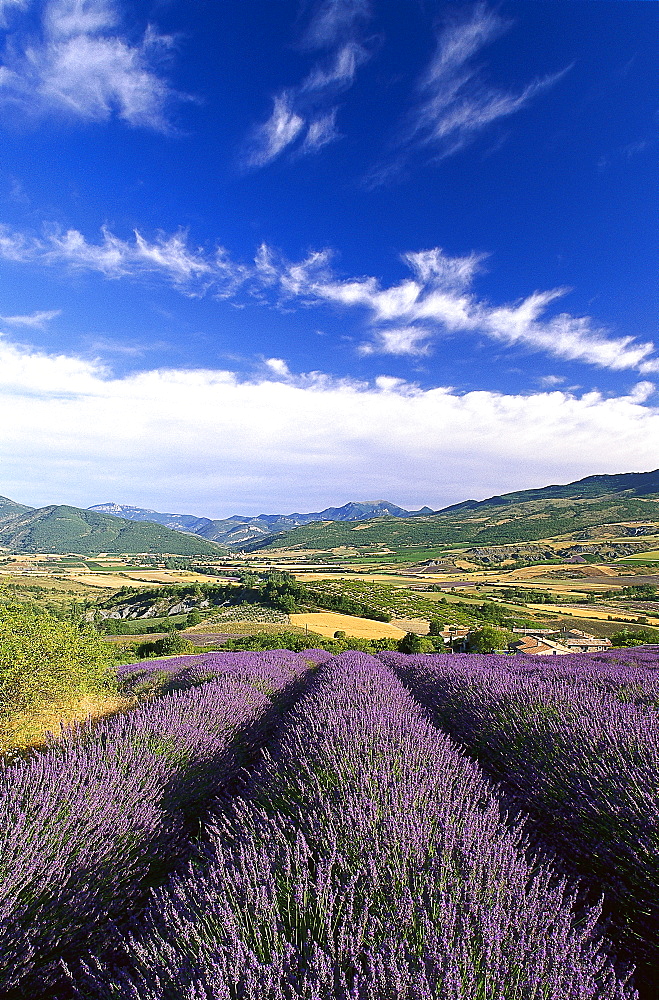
(61, 529)
(625, 504)
(628, 500)
(239, 530)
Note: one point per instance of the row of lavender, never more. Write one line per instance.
(575, 742)
(365, 859)
(85, 826)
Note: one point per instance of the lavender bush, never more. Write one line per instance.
(84, 824)
(575, 741)
(365, 860)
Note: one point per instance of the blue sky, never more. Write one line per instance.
(273, 255)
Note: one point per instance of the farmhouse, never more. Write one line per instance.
(535, 646)
(581, 642)
(567, 640)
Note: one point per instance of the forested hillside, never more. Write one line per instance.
(71, 529)
(523, 516)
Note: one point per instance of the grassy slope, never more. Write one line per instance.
(71, 529)
(496, 521)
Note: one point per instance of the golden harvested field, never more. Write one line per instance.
(56, 585)
(418, 625)
(31, 730)
(243, 628)
(109, 581)
(328, 622)
(393, 580)
(171, 576)
(591, 613)
(533, 572)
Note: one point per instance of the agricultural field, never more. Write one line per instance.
(643, 557)
(326, 623)
(300, 825)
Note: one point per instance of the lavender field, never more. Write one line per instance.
(300, 825)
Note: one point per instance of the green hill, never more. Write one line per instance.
(71, 529)
(522, 516)
(9, 508)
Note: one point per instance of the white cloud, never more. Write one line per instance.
(455, 101)
(278, 367)
(333, 20)
(278, 132)
(209, 442)
(35, 320)
(189, 270)
(306, 114)
(82, 67)
(320, 133)
(440, 300)
(404, 317)
(398, 340)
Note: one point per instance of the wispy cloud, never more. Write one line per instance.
(71, 424)
(187, 269)
(303, 117)
(8, 7)
(34, 321)
(455, 100)
(82, 66)
(404, 318)
(398, 340)
(439, 299)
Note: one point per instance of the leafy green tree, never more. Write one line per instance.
(193, 618)
(413, 643)
(172, 644)
(410, 643)
(643, 592)
(488, 639)
(435, 627)
(492, 612)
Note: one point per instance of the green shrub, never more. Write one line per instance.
(637, 637)
(172, 644)
(413, 643)
(44, 659)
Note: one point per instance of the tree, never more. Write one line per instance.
(435, 627)
(413, 643)
(488, 640)
(636, 638)
(193, 618)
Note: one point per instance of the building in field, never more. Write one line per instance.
(534, 645)
(544, 642)
(581, 642)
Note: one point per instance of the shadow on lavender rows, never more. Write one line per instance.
(184, 805)
(576, 828)
(365, 859)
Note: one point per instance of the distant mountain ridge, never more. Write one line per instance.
(639, 483)
(623, 500)
(520, 516)
(239, 530)
(61, 529)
